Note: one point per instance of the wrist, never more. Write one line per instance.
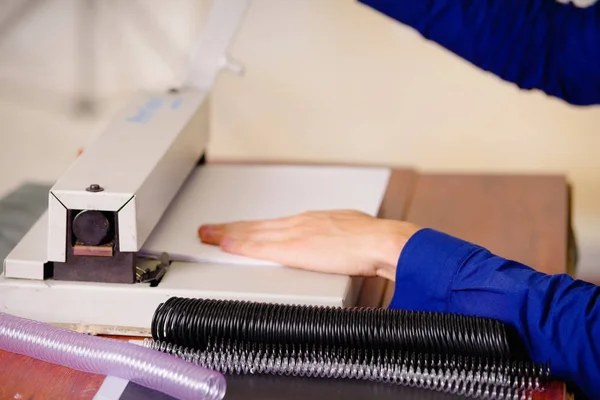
(397, 234)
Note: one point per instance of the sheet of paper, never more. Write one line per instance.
(226, 193)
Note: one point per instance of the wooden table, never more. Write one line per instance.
(526, 218)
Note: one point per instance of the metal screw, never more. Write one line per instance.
(173, 90)
(94, 188)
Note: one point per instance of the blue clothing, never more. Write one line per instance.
(557, 317)
(535, 44)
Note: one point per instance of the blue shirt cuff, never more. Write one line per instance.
(426, 269)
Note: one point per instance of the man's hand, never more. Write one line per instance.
(340, 242)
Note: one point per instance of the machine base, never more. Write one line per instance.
(127, 309)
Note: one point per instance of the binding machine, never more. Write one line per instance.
(80, 265)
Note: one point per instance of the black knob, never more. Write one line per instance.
(94, 188)
(91, 227)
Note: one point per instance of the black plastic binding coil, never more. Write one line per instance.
(451, 353)
(193, 322)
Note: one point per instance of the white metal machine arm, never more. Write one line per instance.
(102, 210)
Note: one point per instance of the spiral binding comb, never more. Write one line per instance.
(454, 354)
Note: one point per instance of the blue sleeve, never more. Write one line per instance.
(557, 317)
(535, 44)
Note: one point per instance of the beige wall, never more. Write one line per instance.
(332, 80)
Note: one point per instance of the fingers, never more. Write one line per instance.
(259, 235)
(269, 240)
(214, 233)
(258, 230)
(211, 234)
(280, 252)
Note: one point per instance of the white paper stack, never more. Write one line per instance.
(227, 193)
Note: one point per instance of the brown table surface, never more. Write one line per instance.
(526, 218)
